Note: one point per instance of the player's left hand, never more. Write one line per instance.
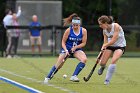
(66, 53)
(104, 47)
(73, 49)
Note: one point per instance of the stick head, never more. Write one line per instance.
(85, 79)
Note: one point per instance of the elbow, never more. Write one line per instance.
(63, 44)
(84, 44)
(111, 43)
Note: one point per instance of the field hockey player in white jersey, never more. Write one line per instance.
(114, 45)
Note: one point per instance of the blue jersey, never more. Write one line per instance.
(73, 40)
(35, 32)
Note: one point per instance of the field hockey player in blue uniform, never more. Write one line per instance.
(74, 39)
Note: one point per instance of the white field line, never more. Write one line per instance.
(24, 87)
(35, 80)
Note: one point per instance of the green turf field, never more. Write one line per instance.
(31, 72)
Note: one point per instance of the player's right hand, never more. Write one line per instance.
(66, 53)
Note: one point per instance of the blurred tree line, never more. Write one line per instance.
(126, 12)
(90, 10)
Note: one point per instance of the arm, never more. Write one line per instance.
(115, 36)
(30, 29)
(84, 40)
(40, 29)
(105, 40)
(64, 39)
(40, 33)
(19, 11)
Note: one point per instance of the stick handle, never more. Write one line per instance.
(97, 61)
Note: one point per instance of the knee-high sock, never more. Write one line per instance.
(79, 67)
(110, 71)
(51, 72)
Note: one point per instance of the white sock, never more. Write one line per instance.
(110, 71)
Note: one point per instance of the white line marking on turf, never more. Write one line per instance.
(24, 87)
(35, 80)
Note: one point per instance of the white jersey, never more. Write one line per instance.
(8, 18)
(121, 42)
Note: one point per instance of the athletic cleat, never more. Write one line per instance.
(46, 80)
(74, 79)
(9, 56)
(16, 56)
(106, 82)
(101, 69)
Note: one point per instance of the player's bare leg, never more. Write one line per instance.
(80, 55)
(111, 68)
(106, 55)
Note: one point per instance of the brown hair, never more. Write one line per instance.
(7, 11)
(106, 19)
(68, 20)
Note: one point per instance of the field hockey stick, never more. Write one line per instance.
(66, 57)
(97, 61)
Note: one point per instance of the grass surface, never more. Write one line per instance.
(125, 80)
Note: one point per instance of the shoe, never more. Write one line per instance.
(16, 56)
(9, 56)
(106, 82)
(46, 80)
(74, 79)
(101, 69)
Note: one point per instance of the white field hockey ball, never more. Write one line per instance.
(64, 76)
